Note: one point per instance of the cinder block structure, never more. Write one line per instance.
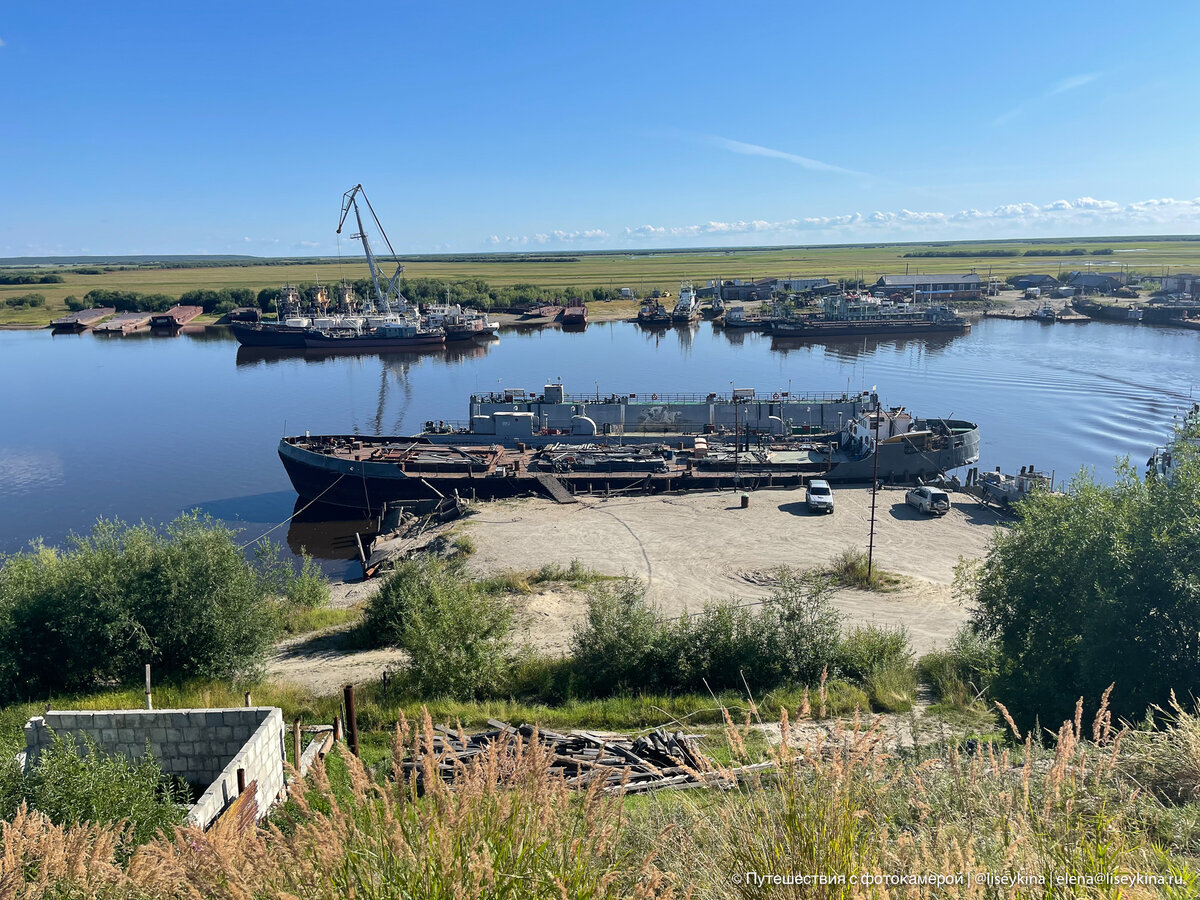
(204, 747)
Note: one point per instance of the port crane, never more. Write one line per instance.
(350, 201)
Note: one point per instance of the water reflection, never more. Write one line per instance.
(457, 352)
(853, 348)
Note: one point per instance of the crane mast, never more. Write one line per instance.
(382, 294)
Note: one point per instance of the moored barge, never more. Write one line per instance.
(629, 442)
(85, 318)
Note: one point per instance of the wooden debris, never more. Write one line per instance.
(659, 760)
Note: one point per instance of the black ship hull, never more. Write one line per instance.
(268, 335)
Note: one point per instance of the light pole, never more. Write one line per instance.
(874, 494)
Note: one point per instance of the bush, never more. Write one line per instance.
(620, 647)
(73, 782)
(851, 568)
(456, 634)
(24, 300)
(867, 649)
(892, 688)
(626, 645)
(961, 672)
(182, 598)
(74, 304)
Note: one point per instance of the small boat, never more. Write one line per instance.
(575, 316)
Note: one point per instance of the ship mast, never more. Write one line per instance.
(349, 200)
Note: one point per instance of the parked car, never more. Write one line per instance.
(819, 497)
(931, 500)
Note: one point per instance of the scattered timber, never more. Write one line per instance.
(620, 764)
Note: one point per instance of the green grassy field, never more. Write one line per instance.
(642, 271)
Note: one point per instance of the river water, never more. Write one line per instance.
(144, 427)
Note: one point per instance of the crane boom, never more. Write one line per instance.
(382, 294)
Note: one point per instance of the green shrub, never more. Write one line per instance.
(182, 598)
(24, 300)
(851, 568)
(74, 782)
(627, 646)
(867, 649)
(960, 673)
(74, 304)
(456, 634)
(463, 545)
(892, 688)
(620, 646)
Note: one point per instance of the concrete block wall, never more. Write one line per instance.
(262, 756)
(205, 747)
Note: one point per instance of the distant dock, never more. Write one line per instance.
(85, 318)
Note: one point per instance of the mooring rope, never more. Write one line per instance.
(293, 515)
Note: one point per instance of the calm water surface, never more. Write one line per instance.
(144, 427)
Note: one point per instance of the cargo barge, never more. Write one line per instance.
(516, 442)
(85, 318)
(175, 317)
(125, 323)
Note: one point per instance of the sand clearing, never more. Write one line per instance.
(697, 548)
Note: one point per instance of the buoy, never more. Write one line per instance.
(654, 396)
(776, 397)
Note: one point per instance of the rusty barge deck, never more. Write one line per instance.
(367, 474)
(85, 318)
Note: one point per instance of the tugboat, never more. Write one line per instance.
(686, 308)
(653, 315)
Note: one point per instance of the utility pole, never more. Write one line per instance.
(874, 493)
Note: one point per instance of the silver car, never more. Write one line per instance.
(931, 500)
(819, 497)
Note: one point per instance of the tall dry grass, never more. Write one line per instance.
(840, 805)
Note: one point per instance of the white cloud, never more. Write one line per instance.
(745, 149)
(1070, 84)
(1, 42)
(310, 244)
(1083, 215)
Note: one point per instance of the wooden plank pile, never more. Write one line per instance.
(659, 760)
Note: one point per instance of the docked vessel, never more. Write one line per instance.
(575, 316)
(653, 314)
(83, 319)
(651, 442)
(1111, 312)
(850, 316)
(396, 336)
(687, 307)
(175, 317)
(1164, 462)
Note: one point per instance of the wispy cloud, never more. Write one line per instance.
(1083, 215)
(813, 165)
(1059, 87)
(1070, 84)
(1, 42)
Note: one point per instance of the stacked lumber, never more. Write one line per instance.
(659, 760)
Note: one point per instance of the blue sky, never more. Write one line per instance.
(235, 127)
